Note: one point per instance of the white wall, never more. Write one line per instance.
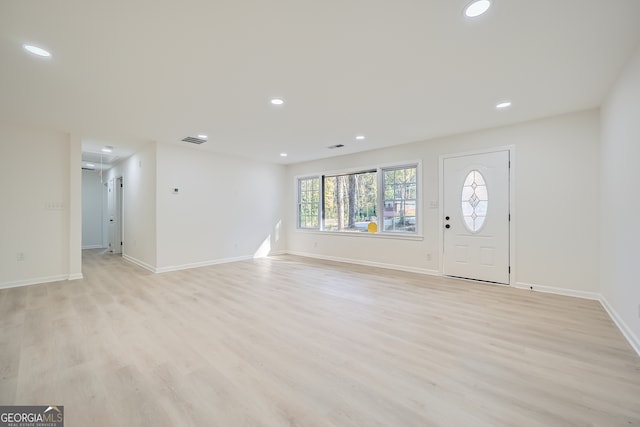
(557, 193)
(227, 208)
(92, 210)
(35, 214)
(620, 253)
(139, 205)
(74, 220)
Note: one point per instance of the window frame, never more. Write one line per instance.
(299, 202)
(323, 217)
(379, 169)
(381, 196)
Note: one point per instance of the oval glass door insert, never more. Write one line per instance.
(474, 201)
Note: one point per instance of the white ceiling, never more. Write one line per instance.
(128, 72)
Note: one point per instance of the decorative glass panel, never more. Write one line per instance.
(474, 201)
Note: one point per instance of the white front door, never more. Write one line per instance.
(476, 216)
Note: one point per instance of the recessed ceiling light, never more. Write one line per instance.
(91, 165)
(360, 137)
(107, 149)
(283, 154)
(503, 105)
(37, 50)
(277, 101)
(477, 8)
(202, 136)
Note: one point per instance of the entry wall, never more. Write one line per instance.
(556, 188)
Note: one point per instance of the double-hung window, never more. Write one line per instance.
(351, 202)
(309, 203)
(400, 197)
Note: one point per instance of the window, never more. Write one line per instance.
(399, 199)
(350, 202)
(308, 203)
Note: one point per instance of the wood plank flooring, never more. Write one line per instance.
(289, 341)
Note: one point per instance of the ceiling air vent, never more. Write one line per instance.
(194, 140)
(331, 147)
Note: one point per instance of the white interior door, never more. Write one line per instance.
(115, 214)
(476, 216)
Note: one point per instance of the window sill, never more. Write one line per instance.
(378, 235)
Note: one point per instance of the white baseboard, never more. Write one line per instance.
(93, 247)
(139, 263)
(202, 264)
(193, 264)
(626, 330)
(75, 276)
(34, 281)
(274, 253)
(559, 291)
(368, 263)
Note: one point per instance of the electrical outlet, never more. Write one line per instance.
(20, 256)
(428, 256)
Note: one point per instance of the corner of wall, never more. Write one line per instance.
(75, 207)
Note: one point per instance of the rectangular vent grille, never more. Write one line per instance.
(194, 140)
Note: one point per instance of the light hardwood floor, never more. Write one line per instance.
(288, 341)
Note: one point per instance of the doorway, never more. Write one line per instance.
(476, 216)
(115, 208)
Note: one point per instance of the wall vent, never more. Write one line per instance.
(194, 140)
(331, 147)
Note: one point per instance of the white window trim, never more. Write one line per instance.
(417, 235)
(297, 199)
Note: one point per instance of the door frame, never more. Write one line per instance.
(512, 204)
(116, 206)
